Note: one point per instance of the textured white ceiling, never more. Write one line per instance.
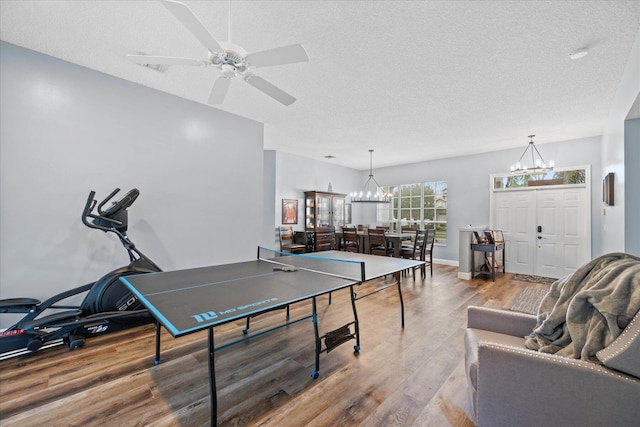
(414, 80)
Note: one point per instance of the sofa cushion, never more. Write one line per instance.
(472, 339)
(623, 353)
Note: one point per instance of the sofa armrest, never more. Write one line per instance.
(501, 321)
(623, 353)
(528, 388)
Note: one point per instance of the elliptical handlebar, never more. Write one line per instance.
(105, 219)
(104, 202)
(87, 213)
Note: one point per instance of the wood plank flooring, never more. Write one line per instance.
(401, 377)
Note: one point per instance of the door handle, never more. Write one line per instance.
(539, 237)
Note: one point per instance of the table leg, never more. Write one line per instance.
(493, 264)
(157, 361)
(213, 393)
(473, 263)
(316, 372)
(355, 318)
(401, 301)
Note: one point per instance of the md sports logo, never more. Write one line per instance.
(211, 315)
(204, 317)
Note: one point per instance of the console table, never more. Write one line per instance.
(489, 250)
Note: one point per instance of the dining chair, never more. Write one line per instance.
(287, 243)
(325, 239)
(414, 252)
(426, 253)
(351, 240)
(411, 249)
(386, 229)
(338, 234)
(409, 244)
(378, 242)
(431, 238)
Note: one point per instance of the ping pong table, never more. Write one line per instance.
(187, 301)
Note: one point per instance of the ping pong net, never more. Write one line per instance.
(285, 261)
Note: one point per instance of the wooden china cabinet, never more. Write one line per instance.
(323, 213)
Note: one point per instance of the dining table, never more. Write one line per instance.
(394, 238)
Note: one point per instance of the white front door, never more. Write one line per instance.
(561, 231)
(546, 231)
(515, 217)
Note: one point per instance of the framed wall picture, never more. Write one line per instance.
(289, 211)
(607, 189)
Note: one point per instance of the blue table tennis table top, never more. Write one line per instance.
(186, 301)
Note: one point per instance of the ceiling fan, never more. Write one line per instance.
(231, 59)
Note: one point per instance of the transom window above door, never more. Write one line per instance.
(575, 176)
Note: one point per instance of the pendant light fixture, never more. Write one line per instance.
(538, 164)
(371, 191)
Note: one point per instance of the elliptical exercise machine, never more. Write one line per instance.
(108, 306)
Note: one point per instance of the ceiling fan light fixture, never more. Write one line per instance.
(215, 58)
(228, 70)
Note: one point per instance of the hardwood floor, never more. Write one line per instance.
(401, 377)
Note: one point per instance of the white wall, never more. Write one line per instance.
(468, 184)
(295, 175)
(269, 200)
(632, 187)
(613, 141)
(66, 130)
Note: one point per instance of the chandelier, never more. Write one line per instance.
(539, 165)
(371, 191)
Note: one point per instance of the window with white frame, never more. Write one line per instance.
(420, 205)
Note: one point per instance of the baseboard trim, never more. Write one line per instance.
(446, 262)
(464, 276)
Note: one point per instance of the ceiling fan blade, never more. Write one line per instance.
(164, 60)
(219, 90)
(193, 24)
(268, 88)
(278, 56)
